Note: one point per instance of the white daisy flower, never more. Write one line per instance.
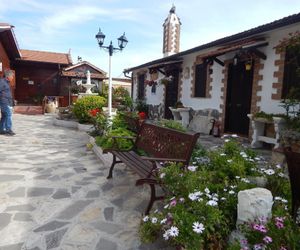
(146, 218)
(229, 161)
(154, 220)
(223, 199)
(234, 136)
(198, 193)
(245, 180)
(173, 231)
(192, 168)
(269, 171)
(200, 199)
(212, 203)
(237, 177)
(163, 221)
(206, 190)
(193, 197)
(231, 192)
(166, 235)
(223, 154)
(281, 174)
(166, 206)
(198, 227)
(227, 140)
(278, 166)
(225, 189)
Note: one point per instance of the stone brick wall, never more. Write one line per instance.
(277, 85)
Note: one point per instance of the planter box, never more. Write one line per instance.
(97, 150)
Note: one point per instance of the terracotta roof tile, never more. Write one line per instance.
(44, 56)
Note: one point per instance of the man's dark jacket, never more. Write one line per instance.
(5, 93)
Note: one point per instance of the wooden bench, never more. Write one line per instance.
(161, 144)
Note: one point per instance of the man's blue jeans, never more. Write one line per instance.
(6, 122)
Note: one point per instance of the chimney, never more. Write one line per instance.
(171, 33)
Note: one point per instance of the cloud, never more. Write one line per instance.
(79, 14)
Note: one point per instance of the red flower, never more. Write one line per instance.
(94, 112)
(142, 115)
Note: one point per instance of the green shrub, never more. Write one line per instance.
(85, 104)
(106, 141)
(172, 124)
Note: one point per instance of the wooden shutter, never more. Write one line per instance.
(141, 86)
(200, 80)
(291, 77)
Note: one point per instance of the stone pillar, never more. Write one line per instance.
(254, 203)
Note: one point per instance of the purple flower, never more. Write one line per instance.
(267, 239)
(283, 248)
(279, 224)
(259, 247)
(244, 242)
(173, 203)
(260, 228)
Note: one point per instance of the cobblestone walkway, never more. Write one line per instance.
(54, 193)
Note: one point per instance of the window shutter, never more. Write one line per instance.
(141, 86)
(291, 77)
(200, 80)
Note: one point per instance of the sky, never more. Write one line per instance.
(63, 25)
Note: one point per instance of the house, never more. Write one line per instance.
(78, 72)
(9, 49)
(236, 75)
(42, 73)
(38, 74)
(120, 82)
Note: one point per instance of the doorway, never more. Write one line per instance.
(171, 94)
(238, 99)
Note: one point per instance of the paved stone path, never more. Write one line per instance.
(54, 193)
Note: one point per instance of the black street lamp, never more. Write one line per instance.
(122, 42)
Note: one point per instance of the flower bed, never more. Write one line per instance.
(200, 211)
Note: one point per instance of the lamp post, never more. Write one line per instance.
(122, 42)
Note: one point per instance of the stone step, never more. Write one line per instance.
(28, 110)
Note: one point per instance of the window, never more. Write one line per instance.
(200, 80)
(141, 87)
(291, 77)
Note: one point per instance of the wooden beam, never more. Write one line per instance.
(259, 53)
(219, 61)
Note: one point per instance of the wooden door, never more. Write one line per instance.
(238, 100)
(171, 94)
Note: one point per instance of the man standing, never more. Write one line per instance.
(6, 104)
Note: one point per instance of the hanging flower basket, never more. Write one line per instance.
(166, 80)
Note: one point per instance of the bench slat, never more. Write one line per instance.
(133, 160)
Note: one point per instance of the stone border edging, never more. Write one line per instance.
(84, 128)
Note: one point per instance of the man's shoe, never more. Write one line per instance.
(10, 133)
(2, 132)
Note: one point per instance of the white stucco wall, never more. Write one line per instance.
(266, 104)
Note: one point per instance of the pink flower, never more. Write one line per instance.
(279, 224)
(173, 203)
(267, 239)
(260, 228)
(283, 248)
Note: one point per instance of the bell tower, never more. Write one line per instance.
(171, 33)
